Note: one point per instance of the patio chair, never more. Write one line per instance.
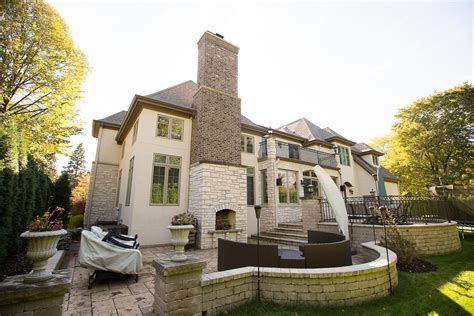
(233, 254)
(327, 255)
(109, 258)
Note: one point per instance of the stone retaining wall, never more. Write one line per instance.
(223, 290)
(429, 239)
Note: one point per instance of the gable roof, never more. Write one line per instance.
(387, 175)
(364, 149)
(180, 95)
(113, 121)
(307, 129)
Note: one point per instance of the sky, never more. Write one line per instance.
(346, 65)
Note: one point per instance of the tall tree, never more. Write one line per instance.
(41, 72)
(79, 195)
(433, 141)
(76, 167)
(62, 193)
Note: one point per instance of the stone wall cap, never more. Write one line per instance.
(167, 267)
(14, 290)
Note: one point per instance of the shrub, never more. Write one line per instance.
(184, 219)
(76, 221)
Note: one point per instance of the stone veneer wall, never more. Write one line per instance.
(178, 290)
(100, 203)
(310, 213)
(268, 219)
(213, 188)
(431, 239)
(289, 213)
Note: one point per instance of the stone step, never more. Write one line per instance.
(279, 240)
(294, 225)
(299, 236)
(288, 230)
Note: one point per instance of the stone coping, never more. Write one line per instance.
(225, 231)
(13, 290)
(417, 225)
(373, 266)
(168, 267)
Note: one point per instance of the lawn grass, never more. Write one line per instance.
(448, 291)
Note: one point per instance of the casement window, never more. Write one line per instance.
(250, 186)
(170, 127)
(247, 144)
(287, 191)
(309, 178)
(135, 132)
(344, 157)
(263, 175)
(123, 150)
(165, 181)
(375, 160)
(129, 182)
(117, 197)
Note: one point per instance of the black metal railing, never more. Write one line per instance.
(405, 210)
(296, 152)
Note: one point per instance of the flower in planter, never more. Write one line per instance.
(186, 218)
(48, 222)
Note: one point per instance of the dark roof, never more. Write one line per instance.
(372, 170)
(179, 95)
(115, 119)
(363, 148)
(307, 129)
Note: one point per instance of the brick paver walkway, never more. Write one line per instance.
(122, 296)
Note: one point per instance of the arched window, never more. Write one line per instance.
(309, 178)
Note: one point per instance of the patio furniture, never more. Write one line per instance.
(234, 254)
(108, 259)
(327, 255)
(320, 237)
(290, 258)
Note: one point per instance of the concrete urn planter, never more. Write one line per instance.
(179, 238)
(41, 247)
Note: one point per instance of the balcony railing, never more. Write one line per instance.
(296, 152)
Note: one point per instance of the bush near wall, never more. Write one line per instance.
(25, 190)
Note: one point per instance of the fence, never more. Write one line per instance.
(405, 210)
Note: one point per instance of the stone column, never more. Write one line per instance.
(268, 218)
(311, 213)
(178, 287)
(43, 298)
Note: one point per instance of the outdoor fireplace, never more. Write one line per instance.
(225, 220)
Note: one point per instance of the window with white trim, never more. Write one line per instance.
(250, 186)
(170, 127)
(247, 144)
(375, 160)
(287, 191)
(135, 132)
(129, 182)
(165, 180)
(344, 156)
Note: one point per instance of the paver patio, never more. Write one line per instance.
(125, 296)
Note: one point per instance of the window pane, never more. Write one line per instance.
(157, 188)
(173, 186)
(249, 140)
(250, 186)
(175, 161)
(242, 142)
(292, 189)
(135, 131)
(264, 186)
(283, 189)
(177, 129)
(163, 126)
(160, 159)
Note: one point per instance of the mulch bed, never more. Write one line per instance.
(15, 264)
(418, 266)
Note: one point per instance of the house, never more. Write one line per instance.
(188, 147)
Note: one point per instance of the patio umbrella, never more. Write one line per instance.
(380, 183)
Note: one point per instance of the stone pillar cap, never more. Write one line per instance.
(211, 37)
(168, 267)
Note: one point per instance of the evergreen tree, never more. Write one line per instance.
(76, 167)
(62, 192)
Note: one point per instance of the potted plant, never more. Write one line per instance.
(42, 236)
(180, 227)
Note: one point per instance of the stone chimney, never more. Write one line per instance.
(217, 181)
(216, 127)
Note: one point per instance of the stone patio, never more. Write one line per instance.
(122, 296)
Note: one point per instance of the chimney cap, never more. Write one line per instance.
(219, 35)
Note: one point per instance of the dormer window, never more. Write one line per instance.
(375, 160)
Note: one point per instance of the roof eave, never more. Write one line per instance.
(341, 140)
(97, 124)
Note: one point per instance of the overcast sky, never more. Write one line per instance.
(345, 65)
